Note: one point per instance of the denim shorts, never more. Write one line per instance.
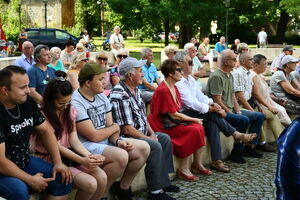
(15, 189)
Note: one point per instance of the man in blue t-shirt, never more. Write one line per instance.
(151, 79)
(221, 46)
(40, 74)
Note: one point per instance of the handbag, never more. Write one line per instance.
(168, 122)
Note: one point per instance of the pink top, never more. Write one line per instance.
(37, 146)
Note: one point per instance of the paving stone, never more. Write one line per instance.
(251, 181)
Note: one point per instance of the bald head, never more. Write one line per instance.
(27, 48)
(227, 60)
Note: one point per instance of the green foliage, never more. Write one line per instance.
(10, 19)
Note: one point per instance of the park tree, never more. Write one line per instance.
(163, 14)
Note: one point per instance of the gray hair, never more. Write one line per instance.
(125, 76)
(117, 27)
(180, 56)
(123, 51)
(144, 52)
(37, 51)
(187, 46)
(242, 46)
(170, 49)
(25, 44)
(243, 57)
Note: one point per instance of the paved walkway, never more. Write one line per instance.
(251, 181)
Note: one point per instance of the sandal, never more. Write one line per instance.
(245, 138)
(196, 170)
(219, 166)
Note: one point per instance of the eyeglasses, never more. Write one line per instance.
(104, 59)
(234, 59)
(85, 60)
(190, 62)
(178, 69)
(122, 56)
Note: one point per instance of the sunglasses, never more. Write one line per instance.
(104, 59)
(85, 60)
(190, 62)
(122, 56)
(178, 69)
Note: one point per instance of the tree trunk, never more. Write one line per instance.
(167, 30)
(282, 26)
(186, 33)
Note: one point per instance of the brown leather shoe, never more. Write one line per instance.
(266, 147)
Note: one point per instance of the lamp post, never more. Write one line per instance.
(45, 4)
(20, 4)
(227, 5)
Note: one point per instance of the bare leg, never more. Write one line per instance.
(198, 159)
(101, 179)
(115, 163)
(184, 166)
(86, 185)
(137, 158)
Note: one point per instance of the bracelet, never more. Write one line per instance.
(117, 142)
(239, 113)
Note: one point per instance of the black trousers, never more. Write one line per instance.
(213, 123)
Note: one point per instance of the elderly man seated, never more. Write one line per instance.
(198, 105)
(151, 79)
(220, 88)
(129, 113)
(243, 90)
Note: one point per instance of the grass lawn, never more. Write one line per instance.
(134, 46)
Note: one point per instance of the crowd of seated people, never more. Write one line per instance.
(75, 121)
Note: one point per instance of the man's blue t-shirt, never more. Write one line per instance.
(219, 47)
(150, 73)
(38, 78)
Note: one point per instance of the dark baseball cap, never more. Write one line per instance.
(90, 68)
(288, 48)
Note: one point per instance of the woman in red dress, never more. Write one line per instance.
(187, 140)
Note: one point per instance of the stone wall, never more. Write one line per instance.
(60, 13)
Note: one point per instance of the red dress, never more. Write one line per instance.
(185, 139)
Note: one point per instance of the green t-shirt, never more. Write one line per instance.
(59, 66)
(221, 83)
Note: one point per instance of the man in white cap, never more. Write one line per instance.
(285, 87)
(129, 113)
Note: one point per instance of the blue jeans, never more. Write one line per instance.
(12, 188)
(253, 120)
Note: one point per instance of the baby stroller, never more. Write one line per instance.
(106, 45)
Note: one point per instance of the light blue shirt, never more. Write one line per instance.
(219, 47)
(23, 62)
(150, 73)
(59, 66)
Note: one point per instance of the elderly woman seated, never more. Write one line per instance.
(285, 87)
(77, 62)
(170, 51)
(275, 114)
(187, 134)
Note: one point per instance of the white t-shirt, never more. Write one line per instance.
(86, 38)
(91, 110)
(117, 40)
(262, 36)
